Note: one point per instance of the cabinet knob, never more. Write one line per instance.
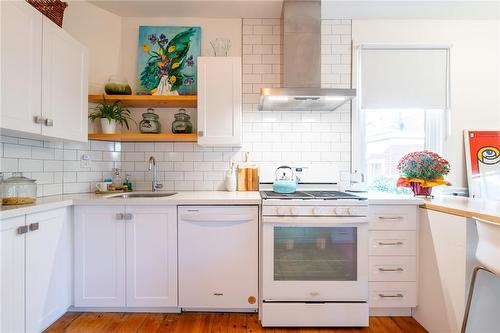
(39, 120)
(22, 230)
(34, 226)
(201, 133)
(119, 216)
(49, 122)
(128, 216)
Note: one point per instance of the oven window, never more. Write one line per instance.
(315, 254)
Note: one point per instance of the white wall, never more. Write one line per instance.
(210, 30)
(100, 31)
(475, 72)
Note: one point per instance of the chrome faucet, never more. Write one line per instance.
(154, 182)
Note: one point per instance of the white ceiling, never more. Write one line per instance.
(193, 8)
(331, 9)
(411, 9)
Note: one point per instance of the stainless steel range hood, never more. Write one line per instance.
(301, 60)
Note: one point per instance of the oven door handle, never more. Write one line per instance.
(314, 220)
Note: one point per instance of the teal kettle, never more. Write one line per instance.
(285, 182)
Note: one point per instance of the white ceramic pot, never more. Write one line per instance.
(108, 127)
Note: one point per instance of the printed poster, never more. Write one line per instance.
(482, 151)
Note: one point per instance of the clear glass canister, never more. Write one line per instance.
(150, 122)
(182, 123)
(18, 190)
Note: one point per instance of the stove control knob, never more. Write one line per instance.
(350, 211)
(336, 211)
(340, 211)
(295, 211)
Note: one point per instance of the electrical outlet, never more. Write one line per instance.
(85, 161)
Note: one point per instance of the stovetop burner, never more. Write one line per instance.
(322, 195)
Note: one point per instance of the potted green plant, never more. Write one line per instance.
(110, 115)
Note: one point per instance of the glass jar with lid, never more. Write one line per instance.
(18, 190)
(182, 123)
(150, 122)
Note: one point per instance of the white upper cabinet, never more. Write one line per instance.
(44, 77)
(219, 101)
(21, 74)
(64, 85)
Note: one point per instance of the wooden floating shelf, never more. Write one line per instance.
(146, 101)
(164, 137)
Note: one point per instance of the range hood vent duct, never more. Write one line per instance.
(301, 60)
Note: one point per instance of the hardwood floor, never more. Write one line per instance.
(196, 322)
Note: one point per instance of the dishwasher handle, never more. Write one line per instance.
(218, 217)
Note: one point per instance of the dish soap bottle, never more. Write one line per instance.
(117, 178)
(230, 179)
(127, 184)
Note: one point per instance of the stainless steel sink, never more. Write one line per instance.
(142, 195)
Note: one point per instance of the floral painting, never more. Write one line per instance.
(166, 60)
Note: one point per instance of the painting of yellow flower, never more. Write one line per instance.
(166, 60)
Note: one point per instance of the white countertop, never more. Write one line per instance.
(180, 198)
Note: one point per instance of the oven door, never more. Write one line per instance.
(315, 258)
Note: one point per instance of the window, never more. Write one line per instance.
(403, 106)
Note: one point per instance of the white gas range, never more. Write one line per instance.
(314, 258)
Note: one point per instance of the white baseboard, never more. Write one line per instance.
(247, 310)
(119, 309)
(391, 312)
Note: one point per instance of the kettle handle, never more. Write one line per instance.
(284, 167)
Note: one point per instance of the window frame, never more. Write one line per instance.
(434, 122)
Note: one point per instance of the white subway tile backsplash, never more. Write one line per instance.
(174, 156)
(26, 165)
(16, 151)
(289, 137)
(9, 164)
(133, 156)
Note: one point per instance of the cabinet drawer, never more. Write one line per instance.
(393, 243)
(392, 268)
(393, 294)
(393, 217)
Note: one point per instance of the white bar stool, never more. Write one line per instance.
(488, 255)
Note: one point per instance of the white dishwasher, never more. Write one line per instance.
(218, 257)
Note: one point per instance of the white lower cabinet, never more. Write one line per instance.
(36, 270)
(393, 258)
(125, 256)
(151, 252)
(12, 295)
(218, 257)
(99, 256)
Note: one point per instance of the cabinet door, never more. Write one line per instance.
(64, 84)
(12, 275)
(151, 256)
(219, 101)
(48, 268)
(21, 44)
(218, 257)
(99, 256)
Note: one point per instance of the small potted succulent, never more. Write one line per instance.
(422, 170)
(110, 115)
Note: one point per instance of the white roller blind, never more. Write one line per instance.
(396, 78)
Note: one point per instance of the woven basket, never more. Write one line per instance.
(53, 9)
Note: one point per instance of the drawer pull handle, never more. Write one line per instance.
(399, 269)
(390, 217)
(34, 226)
(390, 296)
(218, 294)
(390, 243)
(119, 216)
(22, 229)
